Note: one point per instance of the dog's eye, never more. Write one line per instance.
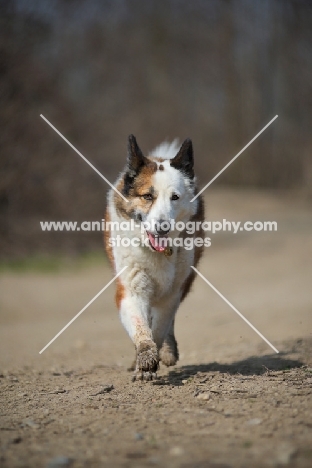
(175, 197)
(148, 196)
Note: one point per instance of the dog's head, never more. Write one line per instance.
(159, 188)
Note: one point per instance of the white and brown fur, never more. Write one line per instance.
(151, 289)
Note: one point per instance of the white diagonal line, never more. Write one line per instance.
(83, 157)
(232, 160)
(235, 310)
(82, 310)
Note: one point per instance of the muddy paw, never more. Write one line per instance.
(167, 357)
(146, 362)
(141, 375)
(147, 357)
(169, 354)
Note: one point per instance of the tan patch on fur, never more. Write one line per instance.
(143, 181)
(141, 185)
(120, 293)
(121, 205)
(108, 248)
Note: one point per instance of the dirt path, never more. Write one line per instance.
(230, 401)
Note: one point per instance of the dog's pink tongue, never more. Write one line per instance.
(157, 242)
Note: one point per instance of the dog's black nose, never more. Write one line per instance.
(163, 227)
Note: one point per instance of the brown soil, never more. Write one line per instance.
(230, 401)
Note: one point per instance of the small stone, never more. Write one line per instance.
(254, 422)
(184, 381)
(138, 436)
(203, 396)
(103, 389)
(30, 423)
(17, 440)
(215, 389)
(159, 382)
(58, 462)
(57, 391)
(176, 451)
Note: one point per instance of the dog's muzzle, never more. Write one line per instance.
(159, 243)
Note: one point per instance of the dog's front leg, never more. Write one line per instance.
(135, 317)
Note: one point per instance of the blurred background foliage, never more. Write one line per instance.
(213, 70)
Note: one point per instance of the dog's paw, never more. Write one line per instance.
(167, 357)
(147, 361)
(139, 375)
(169, 354)
(147, 357)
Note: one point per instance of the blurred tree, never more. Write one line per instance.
(216, 71)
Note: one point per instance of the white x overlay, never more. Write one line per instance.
(82, 310)
(121, 271)
(235, 157)
(235, 310)
(83, 157)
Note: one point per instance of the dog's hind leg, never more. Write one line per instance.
(169, 353)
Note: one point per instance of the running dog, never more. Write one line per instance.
(158, 189)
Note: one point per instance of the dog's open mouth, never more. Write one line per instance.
(158, 243)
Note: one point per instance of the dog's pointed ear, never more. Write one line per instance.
(136, 159)
(184, 160)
